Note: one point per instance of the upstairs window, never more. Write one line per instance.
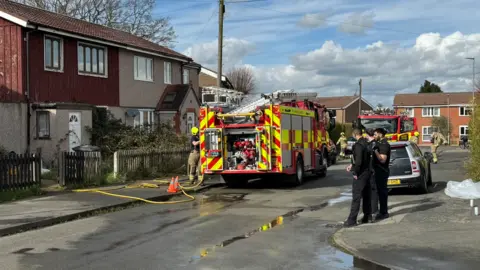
(430, 112)
(409, 112)
(465, 111)
(91, 60)
(53, 53)
(167, 72)
(186, 76)
(143, 68)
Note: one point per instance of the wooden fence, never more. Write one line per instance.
(79, 167)
(151, 161)
(19, 171)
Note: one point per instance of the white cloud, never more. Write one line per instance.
(312, 20)
(234, 50)
(385, 69)
(357, 23)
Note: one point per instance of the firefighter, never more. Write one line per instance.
(414, 138)
(437, 140)
(343, 144)
(194, 157)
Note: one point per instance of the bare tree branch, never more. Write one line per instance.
(243, 79)
(133, 16)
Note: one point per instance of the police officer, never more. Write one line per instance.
(194, 157)
(360, 169)
(437, 140)
(373, 185)
(343, 144)
(381, 161)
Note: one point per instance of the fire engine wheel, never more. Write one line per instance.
(299, 172)
(235, 181)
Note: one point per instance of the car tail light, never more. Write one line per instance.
(394, 137)
(415, 167)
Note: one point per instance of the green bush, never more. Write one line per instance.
(111, 135)
(473, 169)
(339, 128)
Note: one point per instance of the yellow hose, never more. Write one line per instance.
(144, 185)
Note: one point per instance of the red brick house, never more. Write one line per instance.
(425, 106)
(55, 69)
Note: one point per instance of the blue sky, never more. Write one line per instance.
(327, 45)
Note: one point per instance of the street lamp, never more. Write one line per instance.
(473, 76)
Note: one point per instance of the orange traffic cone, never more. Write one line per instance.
(176, 184)
(171, 187)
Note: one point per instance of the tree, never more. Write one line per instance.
(473, 169)
(429, 87)
(132, 16)
(243, 79)
(443, 125)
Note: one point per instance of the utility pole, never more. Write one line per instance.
(360, 98)
(221, 11)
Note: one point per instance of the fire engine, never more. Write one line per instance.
(283, 135)
(399, 127)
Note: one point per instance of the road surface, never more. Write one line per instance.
(220, 230)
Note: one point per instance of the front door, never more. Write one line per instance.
(75, 130)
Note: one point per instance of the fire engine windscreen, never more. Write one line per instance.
(389, 124)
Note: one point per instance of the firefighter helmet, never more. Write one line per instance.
(416, 133)
(194, 130)
(342, 134)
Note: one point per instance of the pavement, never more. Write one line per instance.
(430, 231)
(57, 207)
(240, 229)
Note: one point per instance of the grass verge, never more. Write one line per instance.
(14, 195)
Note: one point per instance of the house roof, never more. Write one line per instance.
(173, 97)
(225, 81)
(26, 15)
(423, 99)
(341, 102)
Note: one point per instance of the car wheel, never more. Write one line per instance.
(423, 189)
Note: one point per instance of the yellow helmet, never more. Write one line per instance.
(194, 130)
(416, 133)
(342, 134)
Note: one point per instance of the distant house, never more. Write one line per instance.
(208, 77)
(425, 106)
(54, 70)
(345, 108)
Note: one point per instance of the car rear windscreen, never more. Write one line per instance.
(399, 152)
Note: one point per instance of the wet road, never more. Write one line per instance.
(223, 229)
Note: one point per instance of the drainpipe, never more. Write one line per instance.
(27, 89)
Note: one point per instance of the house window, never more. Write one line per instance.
(430, 111)
(465, 111)
(409, 112)
(463, 131)
(190, 121)
(167, 72)
(92, 60)
(427, 133)
(143, 68)
(145, 118)
(43, 124)
(186, 76)
(53, 53)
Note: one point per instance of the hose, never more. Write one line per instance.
(144, 185)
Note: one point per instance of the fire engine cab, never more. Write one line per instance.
(284, 135)
(399, 127)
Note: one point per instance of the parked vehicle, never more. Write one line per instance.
(350, 142)
(285, 135)
(409, 167)
(398, 127)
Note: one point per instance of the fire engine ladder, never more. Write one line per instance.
(250, 107)
(277, 96)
